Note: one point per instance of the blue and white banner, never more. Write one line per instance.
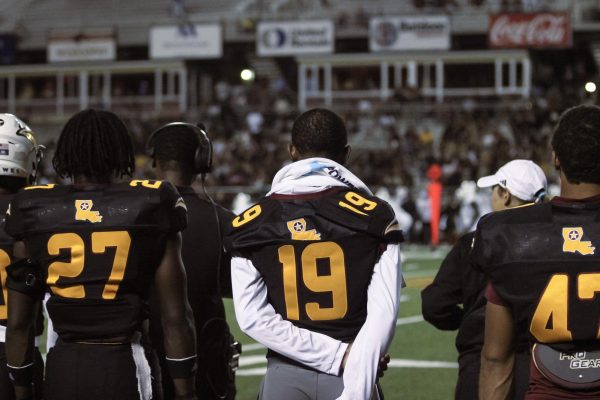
(288, 38)
(186, 41)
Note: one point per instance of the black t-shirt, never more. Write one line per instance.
(543, 263)
(316, 254)
(99, 246)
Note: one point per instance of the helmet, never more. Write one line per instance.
(19, 152)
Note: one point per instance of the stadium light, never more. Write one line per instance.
(247, 75)
(590, 87)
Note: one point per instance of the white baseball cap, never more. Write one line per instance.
(523, 178)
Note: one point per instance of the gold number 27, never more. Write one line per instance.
(120, 240)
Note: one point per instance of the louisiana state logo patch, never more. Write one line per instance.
(573, 243)
(84, 212)
(297, 228)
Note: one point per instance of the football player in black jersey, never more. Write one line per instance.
(457, 284)
(97, 246)
(315, 271)
(19, 158)
(180, 152)
(544, 275)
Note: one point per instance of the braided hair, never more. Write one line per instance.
(94, 144)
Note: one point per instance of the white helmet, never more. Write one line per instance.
(20, 153)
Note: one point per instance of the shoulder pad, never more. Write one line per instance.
(363, 213)
(244, 231)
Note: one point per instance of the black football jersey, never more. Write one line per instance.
(543, 262)
(99, 246)
(316, 254)
(6, 250)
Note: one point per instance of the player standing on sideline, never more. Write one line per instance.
(19, 158)
(315, 269)
(98, 245)
(543, 266)
(180, 152)
(517, 183)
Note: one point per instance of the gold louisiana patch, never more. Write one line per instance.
(84, 212)
(572, 241)
(297, 228)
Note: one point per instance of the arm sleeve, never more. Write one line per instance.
(375, 336)
(15, 224)
(258, 319)
(492, 296)
(440, 300)
(174, 210)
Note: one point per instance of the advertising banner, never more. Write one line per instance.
(539, 30)
(81, 49)
(188, 41)
(286, 38)
(430, 32)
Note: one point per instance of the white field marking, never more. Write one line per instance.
(399, 363)
(410, 266)
(404, 298)
(394, 363)
(409, 320)
(252, 360)
(252, 372)
(252, 347)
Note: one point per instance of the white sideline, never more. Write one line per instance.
(394, 363)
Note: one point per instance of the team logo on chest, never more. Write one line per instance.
(297, 228)
(573, 243)
(84, 212)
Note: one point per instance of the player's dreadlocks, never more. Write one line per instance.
(320, 132)
(94, 144)
(175, 147)
(576, 143)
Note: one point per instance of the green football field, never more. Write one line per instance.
(423, 365)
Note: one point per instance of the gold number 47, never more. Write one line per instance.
(550, 320)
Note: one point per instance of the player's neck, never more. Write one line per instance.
(88, 180)
(176, 178)
(578, 191)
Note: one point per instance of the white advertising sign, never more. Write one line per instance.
(186, 41)
(284, 38)
(431, 32)
(82, 50)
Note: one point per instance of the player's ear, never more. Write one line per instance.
(506, 198)
(556, 161)
(294, 153)
(347, 151)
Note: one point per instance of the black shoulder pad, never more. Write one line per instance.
(26, 276)
(363, 213)
(248, 229)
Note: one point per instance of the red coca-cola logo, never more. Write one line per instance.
(530, 30)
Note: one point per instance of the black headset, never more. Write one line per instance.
(203, 154)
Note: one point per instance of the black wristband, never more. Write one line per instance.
(182, 368)
(21, 376)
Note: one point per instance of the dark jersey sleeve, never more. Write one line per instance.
(441, 299)
(173, 208)
(225, 218)
(15, 224)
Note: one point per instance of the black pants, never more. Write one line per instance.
(467, 387)
(77, 371)
(6, 387)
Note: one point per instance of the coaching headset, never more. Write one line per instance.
(203, 154)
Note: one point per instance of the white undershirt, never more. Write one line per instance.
(258, 319)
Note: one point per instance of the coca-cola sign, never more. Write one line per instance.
(530, 30)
